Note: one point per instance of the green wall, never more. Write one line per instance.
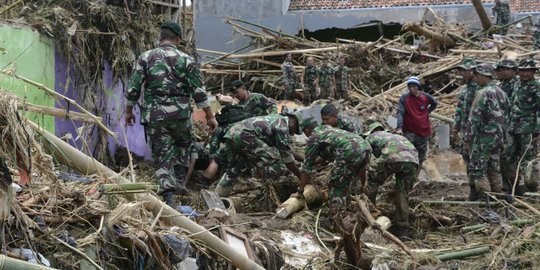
(33, 57)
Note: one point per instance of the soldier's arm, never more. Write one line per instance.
(475, 118)
(198, 92)
(400, 112)
(459, 108)
(133, 92)
(269, 105)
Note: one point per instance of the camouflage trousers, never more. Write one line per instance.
(484, 167)
(326, 91)
(420, 143)
(310, 93)
(517, 146)
(342, 92)
(170, 142)
(289, 90)
(466, 156)
(246, 149)
(344, 175)
(405, 173)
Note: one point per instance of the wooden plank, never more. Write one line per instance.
(161, 3)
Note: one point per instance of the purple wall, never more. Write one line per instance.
(111, 100)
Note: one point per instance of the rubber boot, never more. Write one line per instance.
(223, 191)
(168, 198)
(473, 194)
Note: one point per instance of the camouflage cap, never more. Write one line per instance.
(174, 27)
(506, 63)
(486, 70)
(527, 64)
(298, 116)
(308, 122)
(236, 84)
(372, 127)
(468, 63)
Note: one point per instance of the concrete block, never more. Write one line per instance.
(443, 132)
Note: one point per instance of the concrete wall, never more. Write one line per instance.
(213, 34)
(32, 56)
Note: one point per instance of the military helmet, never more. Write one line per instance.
(486, 70)
(506, 63)
(527, 64)
(468, 63)
(372, 127)
(174, 27)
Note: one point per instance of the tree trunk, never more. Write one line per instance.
(484, 18)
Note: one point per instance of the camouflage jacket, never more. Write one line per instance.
(341, 74)
(508, 86)
(390, 148)
(271, 129)
(463, 108)
(169, 78)
(256, 105)
(332, 143)
(349, 124)
(487, 121)
(326, 74)
(310, 75)
(289, 74)
(536, 37)
(525, 109)
(502, 11)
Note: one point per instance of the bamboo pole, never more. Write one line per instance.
(463, 253)
(8, 263)
(75, 116)
(281, 53)
(87, 165)
(474, 51)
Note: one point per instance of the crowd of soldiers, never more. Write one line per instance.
(320, 82)
(498, 124)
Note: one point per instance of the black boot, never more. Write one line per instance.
(473, 195)
(168, 198)
(401, 232)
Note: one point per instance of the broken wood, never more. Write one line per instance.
(367, 215)
(443, 39)
(61, 113)
(293, 205)
(72, 157)
(12, 263)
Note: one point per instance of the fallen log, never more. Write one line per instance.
(463, 253)
(444, 39)
(11, 263)
(293, 205)
(72, 157)
(486, 22)
(76, 116)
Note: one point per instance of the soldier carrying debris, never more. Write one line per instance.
(169, 78)
(253, 140)
(523, 124)
(289, 77)
(250, 105)
(343, 83)
(330, 116)
(327, 81)
(395, 156)
(310, 80)
(506, 73)
(502, 11)
(350, 153)
(485, 133)
(463, 108)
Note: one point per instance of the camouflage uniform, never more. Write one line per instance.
(341, 74)
(396, 155)
(289, 79)
(508, 86)
(349, 124)
(310, 89)
(485, 133)
(253, 140)
(350, 154)
(326, 81)
(536, 36)
(502, 11)
(523, 128)
(170, 78)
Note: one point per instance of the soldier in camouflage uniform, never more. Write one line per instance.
(310, 80)
(253, 140)
(289, 77)
(350, 153)
(463, 108)
(250, 105)
(536, 35)
(506, 71)
(326, 80)
(395, 155)
(343, 83)
(330, 116)
(485, 132)
(523, 124)
(169, 78)
(502, 11)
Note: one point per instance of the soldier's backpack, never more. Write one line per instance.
(232, 114)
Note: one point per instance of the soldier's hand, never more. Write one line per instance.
(129, 118)
(398, 131)
(212, 123)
